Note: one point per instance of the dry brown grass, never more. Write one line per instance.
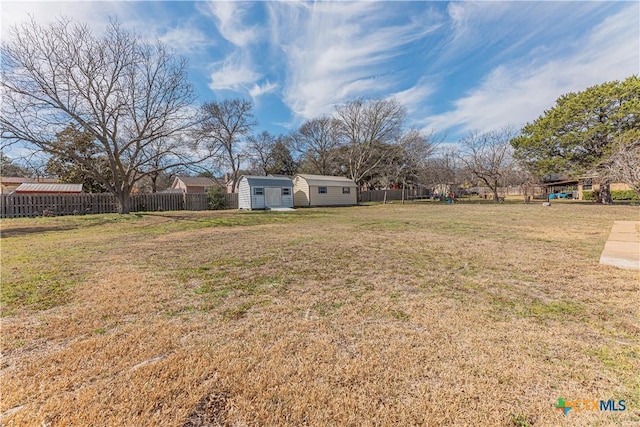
(382, 315)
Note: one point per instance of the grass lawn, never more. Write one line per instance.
(420, 314)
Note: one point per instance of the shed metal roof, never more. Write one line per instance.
(48, 188)
(327, 181)
(269, 181)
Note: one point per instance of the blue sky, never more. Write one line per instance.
(456, 66)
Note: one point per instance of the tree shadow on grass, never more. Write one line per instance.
(26, 231)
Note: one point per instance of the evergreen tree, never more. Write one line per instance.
(74, 150)
(282, 162)
(578, 132)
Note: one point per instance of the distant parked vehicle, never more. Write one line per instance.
(561, 195)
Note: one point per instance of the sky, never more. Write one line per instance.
(457, 67)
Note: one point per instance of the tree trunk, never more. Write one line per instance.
(154, 182)
(604, 195)
(495, 195)
(124, 202)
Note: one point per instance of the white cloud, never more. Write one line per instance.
(95, 14)
(258, 90)
(235, 74)
(334, 51)
(491, 32)
(415, 97)
(185, 39)
(518, 92)
(229, 16)
(132, 15)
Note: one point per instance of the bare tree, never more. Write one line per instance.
(443, 170)
(318, 141)
(9, 167)
(624, 163)
(521, 176)
(260, 150)
(157, 164)
(409, 160)
(488, 157)
(371, 129)
(224, 126)
(417, 149)
(125, 93)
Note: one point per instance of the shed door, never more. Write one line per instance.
(272, 197)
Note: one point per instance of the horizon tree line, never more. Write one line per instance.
(116, 111)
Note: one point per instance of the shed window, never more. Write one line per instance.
(587, 185)
(258, 191)
(322, 190)
(346, 190)
(286, 191)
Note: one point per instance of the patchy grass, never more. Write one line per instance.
(421, 314)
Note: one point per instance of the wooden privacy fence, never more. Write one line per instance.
(29, 205)
(378, 195)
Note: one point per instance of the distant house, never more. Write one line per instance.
(577, 187)
(591, 183)
(264, 192)
(192, 184)
(560, 184)
(322, 190)
(46, 188)
(9, 183)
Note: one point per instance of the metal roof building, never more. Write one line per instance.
(47, 188)
(264, 192)
(323, 190)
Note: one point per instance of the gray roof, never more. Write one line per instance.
(327, 181)
(268, 181)
(48, 188)
(197, 181)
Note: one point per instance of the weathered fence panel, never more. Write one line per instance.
(232, 200)
(157, 202)
(29, 205)
(379, 195)
(195, 202)
(26, 205)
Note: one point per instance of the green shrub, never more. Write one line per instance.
(589, 195)
(216, 199)
(624, 195)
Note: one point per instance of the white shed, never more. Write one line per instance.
(323, 190)
(264, 192)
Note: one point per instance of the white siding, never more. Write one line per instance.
(257, 201)
(300, 192)
(307, 194)
(247, 199)
(333, 197)
(244, 194)
(287, 201)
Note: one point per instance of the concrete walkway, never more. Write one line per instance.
(622, 249)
